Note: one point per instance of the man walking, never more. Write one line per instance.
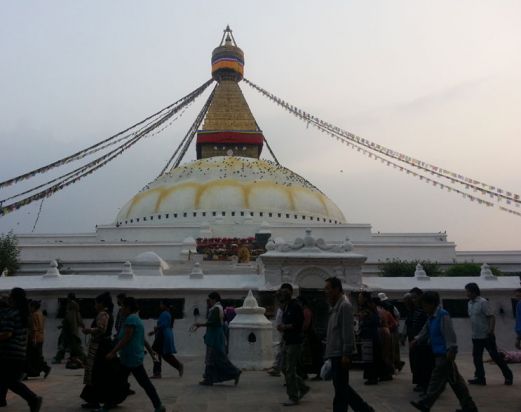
(69, 339)
(439, 330)
(420, 356)
(339, 347)
(483, 323)
(291, 328)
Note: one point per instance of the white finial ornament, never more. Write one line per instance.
(127, 271)
(486, 272)
(250, 302)
(420, 273)
(53, 271)
(197, 272)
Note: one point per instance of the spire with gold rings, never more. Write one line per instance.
(229, 128)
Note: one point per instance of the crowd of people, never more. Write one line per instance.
(109, 360)
(368, 337)
(371, 339)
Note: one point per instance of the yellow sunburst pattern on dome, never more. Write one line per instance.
(231, 184)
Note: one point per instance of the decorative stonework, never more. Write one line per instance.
(309, 244)
(312, 277)
(307, 262)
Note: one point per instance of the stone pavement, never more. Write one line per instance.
(258, 392)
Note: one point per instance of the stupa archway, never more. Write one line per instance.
(312, 277)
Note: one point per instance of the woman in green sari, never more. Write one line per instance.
(218, 367)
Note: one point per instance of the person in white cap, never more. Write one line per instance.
(395, 334)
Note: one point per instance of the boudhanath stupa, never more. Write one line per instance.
(182, 235)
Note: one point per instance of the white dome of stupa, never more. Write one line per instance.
(229, 189)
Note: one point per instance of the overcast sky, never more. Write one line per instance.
(437, 80)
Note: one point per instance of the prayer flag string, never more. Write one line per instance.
(118, 137)
(384, 154)
(87, 169)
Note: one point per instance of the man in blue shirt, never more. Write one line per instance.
(439, 331)
(518, 319)
(131, 348)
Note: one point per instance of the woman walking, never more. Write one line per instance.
(164, 344)
(218, 367)
(104, 382)
(131, 348)
(13, 349)
(388, 325)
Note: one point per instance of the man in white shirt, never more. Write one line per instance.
(483, 322)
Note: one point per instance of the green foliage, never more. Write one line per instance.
(404, 268)
(469, 269)
(9, 253)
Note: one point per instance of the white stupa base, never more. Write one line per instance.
(251, 337)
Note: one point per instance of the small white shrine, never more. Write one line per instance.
(251, 337)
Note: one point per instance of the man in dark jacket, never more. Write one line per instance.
(291, 329)
(421, 358)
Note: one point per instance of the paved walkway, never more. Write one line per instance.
(258, 392)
